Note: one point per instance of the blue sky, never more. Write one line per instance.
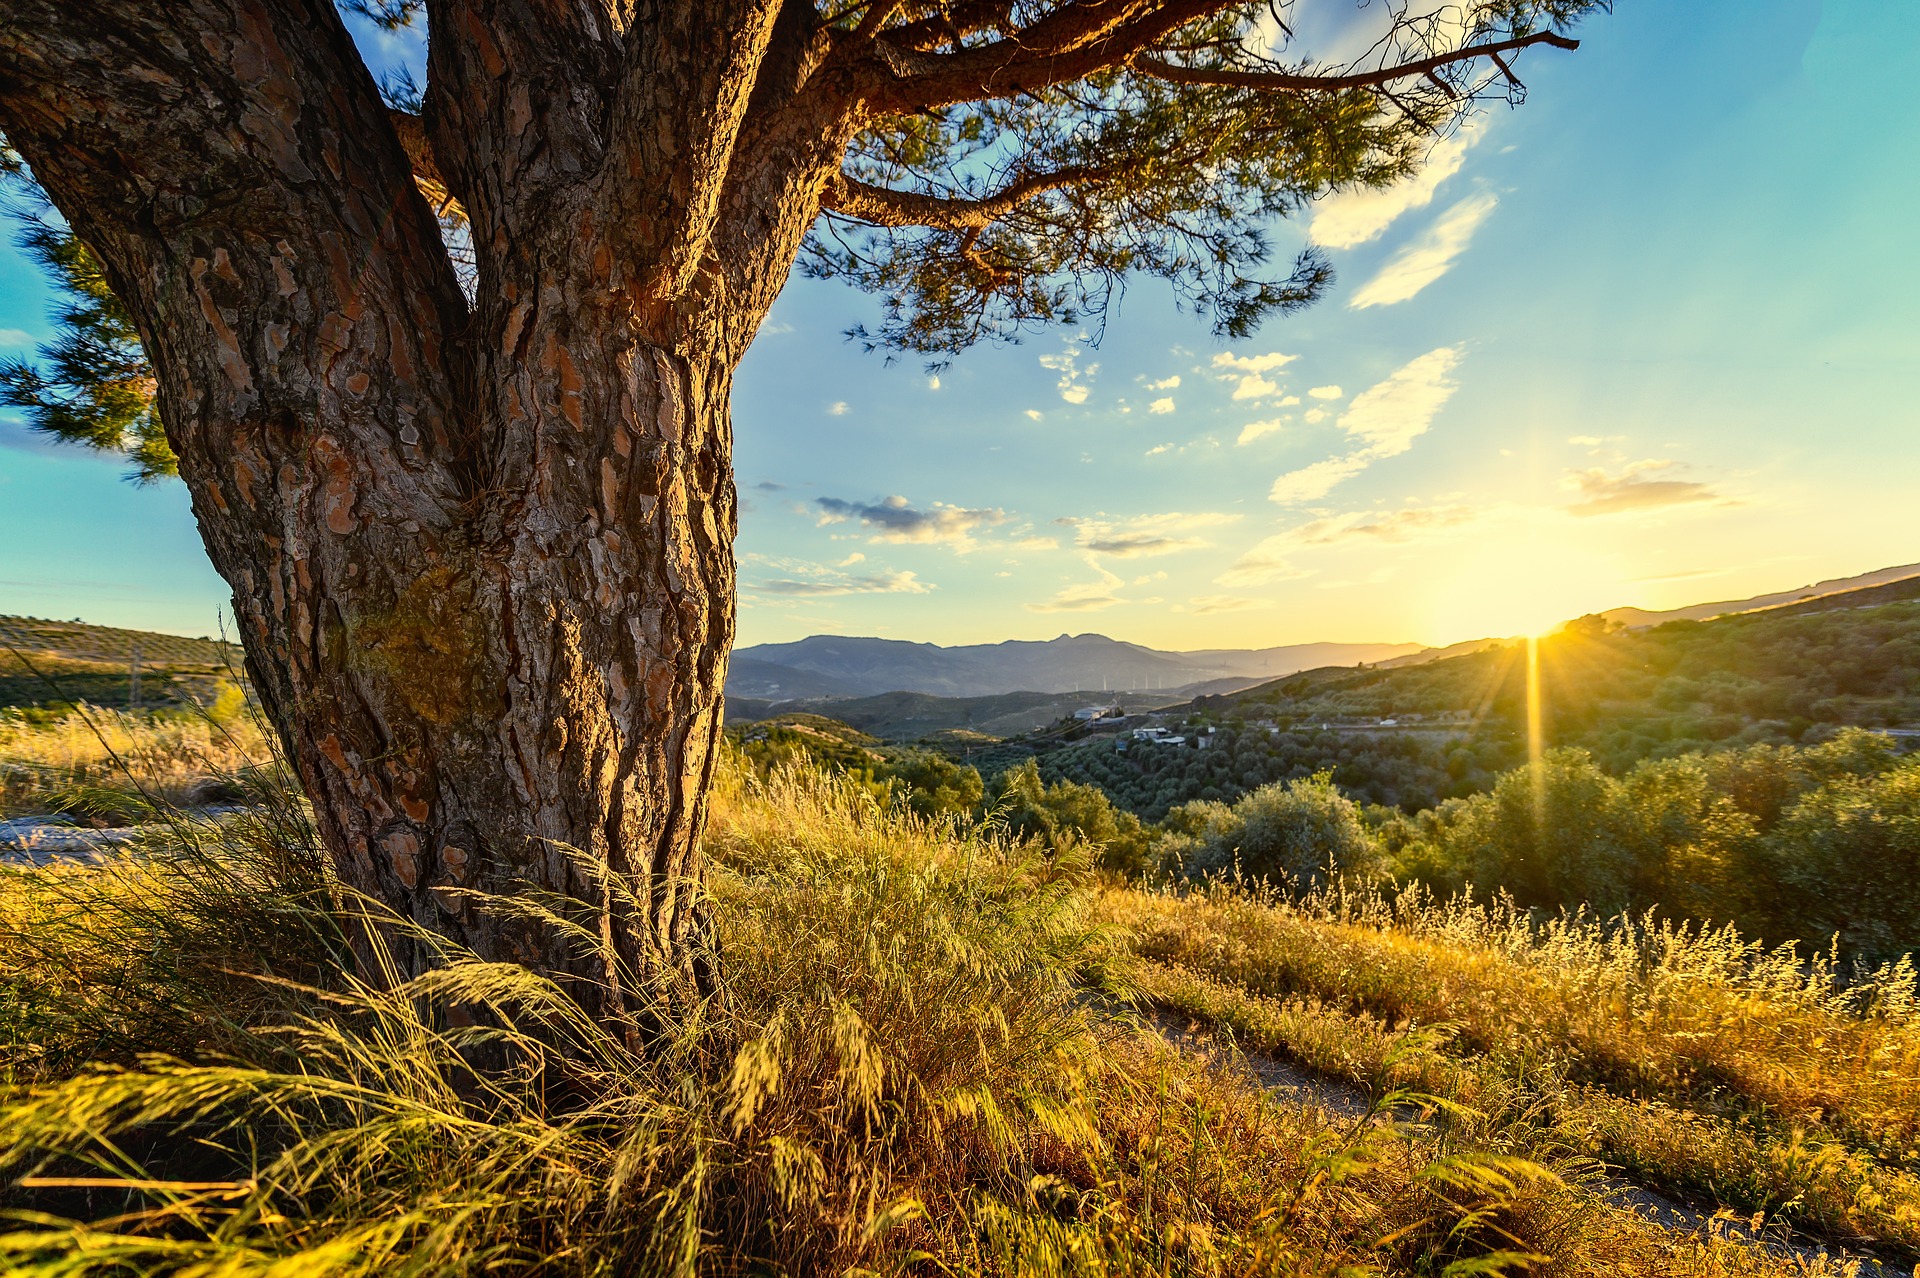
(1650, 339)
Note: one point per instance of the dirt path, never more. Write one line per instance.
(41, 841)
(35, 842)
(1348, 1102)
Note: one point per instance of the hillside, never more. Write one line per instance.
(48, 663)
(1626, 694)
(1792, 674)
(1640, 617)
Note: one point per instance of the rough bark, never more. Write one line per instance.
(480, 553)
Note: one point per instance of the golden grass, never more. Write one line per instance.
(915, 1070)
(1694, 1062)
(104, 763)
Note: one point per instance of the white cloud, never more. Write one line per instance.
(1316, 415)
(1429, 257)
(773, 329)
(1252, 363)
(1163, 405)
(1166, 383)
(855, 558)
(1246, 370)
(933, 382)
(1033, 414)
(1383, 420)
(1071, 385)
(1142, 535)
(1088, 596)
(1390, 416)
(20, 337)
(1326, 392)
(837, 409)
(1254, 430)
(1353, 217)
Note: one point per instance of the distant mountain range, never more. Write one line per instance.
(837, 666)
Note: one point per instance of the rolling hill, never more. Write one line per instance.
(46, 663)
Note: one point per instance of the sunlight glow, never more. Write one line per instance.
(1524, 584)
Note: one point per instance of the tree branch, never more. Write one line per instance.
(1070, 43)
(1277, 81)
(684, 91)
(884, 206)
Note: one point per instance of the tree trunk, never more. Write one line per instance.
(526, 695)
(480, 549)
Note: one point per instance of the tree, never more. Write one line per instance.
(478, 526)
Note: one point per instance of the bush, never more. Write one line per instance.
(1293, 832)
(1847, 858)
(1066, 813)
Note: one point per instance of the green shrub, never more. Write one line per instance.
(1294, 831)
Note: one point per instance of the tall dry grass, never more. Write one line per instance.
(916, 1068)
(1699, 1063)
(115, 767)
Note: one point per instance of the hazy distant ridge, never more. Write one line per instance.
(825, 665)
(1637, 617)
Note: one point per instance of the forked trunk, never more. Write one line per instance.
(480, 546)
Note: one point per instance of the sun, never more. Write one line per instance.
(1521, 583)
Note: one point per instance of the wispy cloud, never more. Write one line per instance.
(1429, 257)
(1164, 383)
(829, 583)
(1204, 604)
(1392, 526)
(801, 578)
(1639, 486)
(1326, 392)
(15, 337)
(837, 409)
(1383, 420)
(1311, 483)
(1089, 596)
(1271, 559)
(1074, 383)
(897, 520)
(1143, 535)
(1353, 217)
